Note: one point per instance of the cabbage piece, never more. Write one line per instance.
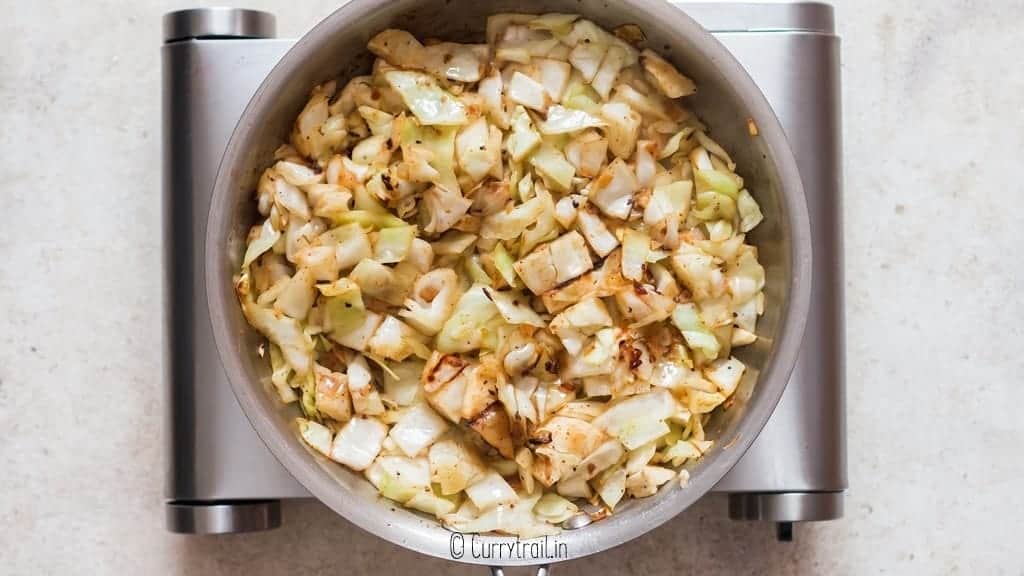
(597, 358)
(587, 57)
(398, 47)
(720, 182)
(745, 277)
(651, 105)
(603, 457)
(701, 402)
(402, 384)
(489, 198)
(394, 340)
(552, 166)
(280, 371)
(614, 60)
(554, 22)
(716, 149)
(579, 321)
(725, 374)
(524, 139)
(454, 465)
(399, 478)
(365, 398)
(554, 76)
(344, 306)
(545, 227)
(574, 487)
(568, 436)
(454, 61)
(570, 256)
(638, 419)
(750, 212)
(606, 281)
(514, 307)
(504, 263)
(372, 151)
(698, 336)
(516, 519)
(554, 509)
(494, 426)
(677, 454)
(520, 44)
(481, 389)
(623, 128)
(317, 435)
(562, 120)
(418, 429)
(527, 92)
(559, 261)
(566, 208)
(296, 174)
(369, 219)
(260, 240)
(498, 24)
(379, 121)
(594, 230)
(537, 270)
(432, 301)
(431, 104)
(291, 199)
(640, 457)
(393, 244)
(296, 295)
(587, 152)
(636, 246)
(453, 243)
(431, 502)
(465, 330)
(711, 206)
(665, 76)
(612, 191)
(611, 486)
(306, 135)
(328, 200)
(285, 332)
(675, 143)
(332, 397)
(379, 281)
(447, 398)
(646, 482)
(357, 335)
(490, 90)
(476, 151)
(524, 461)
(667, 208)
(698, 271)
(358, 442)
(491, 490)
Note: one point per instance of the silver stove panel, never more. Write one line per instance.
(221, 478)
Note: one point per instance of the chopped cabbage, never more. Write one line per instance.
(431, 104)
(418, 429)
(612, 191)
(358, 442)
(567, 120)
(541, 250)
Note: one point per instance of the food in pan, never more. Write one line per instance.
(504, 279)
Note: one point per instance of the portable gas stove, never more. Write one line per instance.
(221, 477)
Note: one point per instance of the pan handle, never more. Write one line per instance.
(542, 570)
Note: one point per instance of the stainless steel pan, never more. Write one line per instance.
(727, 101)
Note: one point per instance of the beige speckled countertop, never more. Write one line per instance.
(934, 120)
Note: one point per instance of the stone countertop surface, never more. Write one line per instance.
(934, 127)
